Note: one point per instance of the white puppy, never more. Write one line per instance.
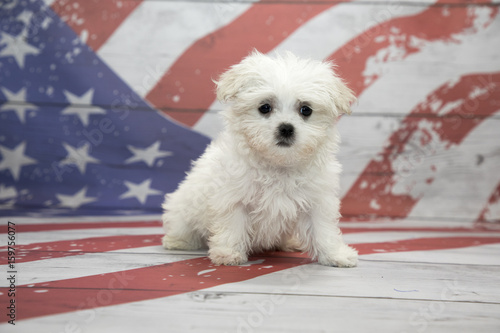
(270, 180)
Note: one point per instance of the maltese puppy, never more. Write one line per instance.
(270, 180)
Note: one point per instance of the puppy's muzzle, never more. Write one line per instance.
(285, 135)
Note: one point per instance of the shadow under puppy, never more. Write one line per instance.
(270, 180)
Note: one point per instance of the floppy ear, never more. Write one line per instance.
(229, 84)
(238, 77)
(342, 96)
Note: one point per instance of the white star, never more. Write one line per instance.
(14, 159)
(78, 156)
(139, 191)
(17, 102)
(17, 48)
(148, 155)
(76, 200)
(81, 106)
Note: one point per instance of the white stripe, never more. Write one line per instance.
(464, 176)
(157, 33)
(407, 224)
(96, 263)
(476, 255)
(393, 236)
(26, 238)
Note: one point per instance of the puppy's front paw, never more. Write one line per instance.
(291, 244)
(344, 256)
(172, 243)
(226, 256)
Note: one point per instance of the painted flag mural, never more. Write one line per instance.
(104, 104)
(74, 135)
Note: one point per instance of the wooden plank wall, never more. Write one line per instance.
(423, 139)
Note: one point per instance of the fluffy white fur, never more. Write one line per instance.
(256, 188)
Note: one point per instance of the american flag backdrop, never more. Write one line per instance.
(104, 104)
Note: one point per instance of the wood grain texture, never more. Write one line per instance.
(394, 295)
(230, 312)
(420, 155)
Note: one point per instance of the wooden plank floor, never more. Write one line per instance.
(411, 278)
(105, 103)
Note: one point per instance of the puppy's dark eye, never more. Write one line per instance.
(305, 110)
(266, 108)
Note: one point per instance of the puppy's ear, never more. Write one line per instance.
(239, 77)
(229, 84)
(342, 96)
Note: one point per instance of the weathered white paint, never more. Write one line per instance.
(95, 263)
(64, 235)
(151, 39)
(392, 296)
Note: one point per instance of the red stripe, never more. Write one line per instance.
(59, 249)
(138, 284)
(185, 276)
(186, 90)
(381, 175)
(98, 18)
(425, 244)
(486, 214)
(20, 227)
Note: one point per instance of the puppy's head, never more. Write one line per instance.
(284, 108)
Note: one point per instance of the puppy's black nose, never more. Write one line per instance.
(286, 130)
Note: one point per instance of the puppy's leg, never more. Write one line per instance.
(229, 243)
(290, 243)
(179, 232)
(337, 252)
(182, 240)
(326, 242)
